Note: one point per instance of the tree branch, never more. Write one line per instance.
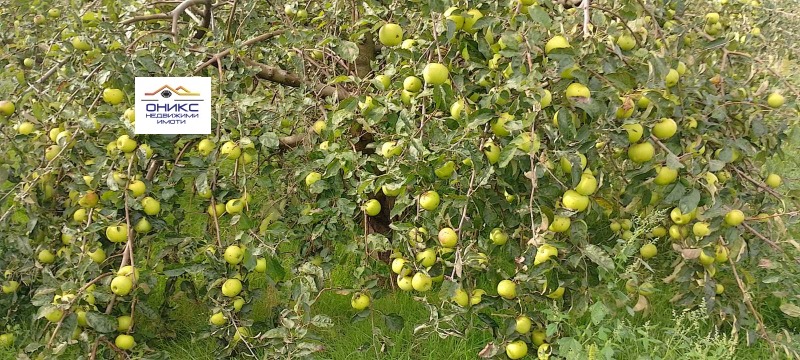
(225, 52)
(283, 77)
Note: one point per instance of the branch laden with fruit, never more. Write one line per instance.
(500, 160)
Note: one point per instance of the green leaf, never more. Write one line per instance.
(598, 256)
(539, 15)
(690, 201)
(269, 140)
(598, 312)
(506, 154)
(321, 321)
(790, 309)
(101, 322)
(394, 322)
(274, 269)
(347, 50)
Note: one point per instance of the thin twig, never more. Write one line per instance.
(227, 51)
(746, 299)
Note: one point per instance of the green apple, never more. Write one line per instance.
(566, 165)
(681, 68)
(312, 178)
(499, 125)
(539, 336)
(142, 226)
(7, 108)
(578, 90)
(544, 253)
(775, 100)
(523, 324)
(360, 301)
(117, 233)
(372, 207)
(121, 285)
(404, 282)
(635, 131)
(457, 109)
(384, 80)
(679, 217)
(626, 42)
(390, 34)
(231, 150)
(124, 342)
(587, 185)
(469, 21)
(647, 251)
(712, 18)
(429, 200)
(261, 265)
(205, 147)
(54, 315)
(734, 217)
(51, 152)
(492, 152)
(412, 84)
(241, 332)
(390, 149)
(46, 257)
(26, 128)
(448, 237)
(233, 254)
(507, 289)
(319, 126)
(560, 224)
(137, 188)
(231, 287)
(461, 297)
(80, 43)
(89, 199)
(219, 210)
(705, 259)
(98, 256)
(665, 129)
(392, 190)
(427, 257)
(672, 77)
(399, 266)
(498, 236)
(151, 206)
(129, 115)
(773, 180)
(421, 282)
(10, 287)
(701, 229)
(665, 175)
(556, 42)
(238, 303)
(446, 170)
(126, 144)
(435, 74)
(113, 96)
(574, 201)
(234, 206)
(218, 319)
(452, 14)
(641, 153)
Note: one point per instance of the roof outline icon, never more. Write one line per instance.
(180, 91)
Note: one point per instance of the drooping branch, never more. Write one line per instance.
(283, 77)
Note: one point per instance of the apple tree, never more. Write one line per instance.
(510, 162)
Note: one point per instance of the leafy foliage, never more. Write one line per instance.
(524, 134)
